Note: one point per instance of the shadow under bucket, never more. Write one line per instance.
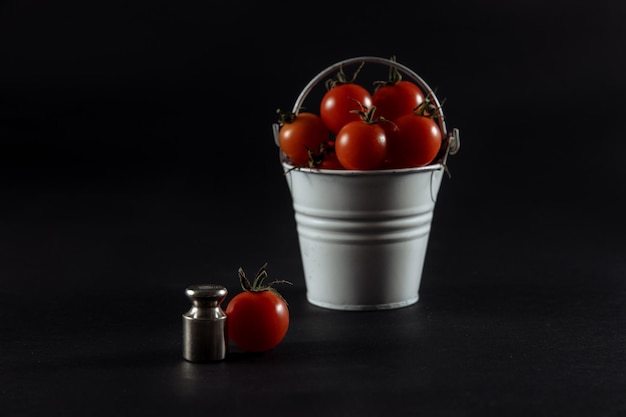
(363, 235)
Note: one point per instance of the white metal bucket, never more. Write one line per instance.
(363, 235)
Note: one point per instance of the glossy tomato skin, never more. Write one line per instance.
(332, 162)
(361, 146)
(257, 321)
(414, 142)
(339, 103)
(306, 131)
(395, 100)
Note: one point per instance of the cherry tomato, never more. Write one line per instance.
(361, 145)
(340, 104)
(415, 141)
(258, 317)
(325, 157)
(330, 160)
(343, 100)
(393, 100)
(300, 133)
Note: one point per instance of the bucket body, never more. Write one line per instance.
(363, 235)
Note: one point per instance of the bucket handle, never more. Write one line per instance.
(451, 140)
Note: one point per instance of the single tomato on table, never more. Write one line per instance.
(258, 317)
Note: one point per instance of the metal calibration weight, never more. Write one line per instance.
(205, 336)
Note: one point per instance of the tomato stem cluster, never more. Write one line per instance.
(285, 117)
(342, 78)
(367, 115)
(393, 78)
(316, 158)
(428, 109)
(257, 285)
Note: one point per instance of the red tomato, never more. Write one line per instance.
(361, 145)
(325, 157)
(415, 141)
(258, 317)
(300, 133)
(341, 103)
(330, 160)
(393, 100)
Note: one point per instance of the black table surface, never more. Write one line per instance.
(521, 309)
(129, 170)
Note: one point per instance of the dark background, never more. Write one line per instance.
(137, 158)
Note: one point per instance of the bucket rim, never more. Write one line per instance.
(288, 168)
